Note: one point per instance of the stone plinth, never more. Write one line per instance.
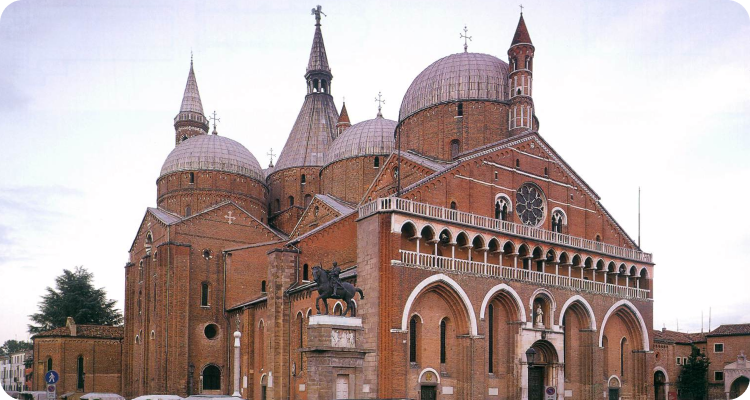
(335, 354)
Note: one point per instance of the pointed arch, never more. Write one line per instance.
(503, 288)
(440, 278)
(584, 303)
(636, 313)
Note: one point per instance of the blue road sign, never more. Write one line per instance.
(51, 377)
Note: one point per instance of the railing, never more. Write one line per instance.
(446, 214)
(428, 261)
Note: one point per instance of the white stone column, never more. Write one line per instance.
(237, 336)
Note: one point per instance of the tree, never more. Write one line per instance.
(693, 381)
(14, 346)
(75, 297)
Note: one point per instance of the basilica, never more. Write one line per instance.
(488, 268)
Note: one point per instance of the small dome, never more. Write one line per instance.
(367, 138)
(212, 153)
(461, 76)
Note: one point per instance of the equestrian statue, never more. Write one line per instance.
(329, 286)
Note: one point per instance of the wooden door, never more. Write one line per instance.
(342, 386)
(428, 393)
(536, 383)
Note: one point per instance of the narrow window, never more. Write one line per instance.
(303, 179)
(622, 356)
(291, 201)
(301, 337)
(308, 199)
(453, 205)
(305, 273)
(263, 286)
(546, 173)
(460, 109)
(455, 148)
(518, 163)
(490, 333)
(204, 294)
(187, 211)
(49, 364)
(376, 163)
(495, 175)
(278, 204)
(80, 373)
(442, 341)
(498, 210)
(192, 177)
(413, 339)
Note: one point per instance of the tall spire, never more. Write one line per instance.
(318, 75)
(190, 121)
(344, 121)
(522, 34)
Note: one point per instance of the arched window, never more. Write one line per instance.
(376, 163)
(211, 378)
(460, 111)
(442, 341)
(301, 341)
(140, 295)
(204, 294)
(453, 205)
(623, 342)
(502, 207)
(291, 201)
(305, 273)
(80, 374)
(187, 211)
(598, 238)
(491, 336)
(558, 220)
(49, 364)
(518, 163)
(303, 180)
(413, 339)
(546, 171)
(455, 148)
(263, 286)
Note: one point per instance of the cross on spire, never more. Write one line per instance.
(521, 5)
(213, 117)
(380, 101)
(465, 38)
(316, 12)
(271, 155)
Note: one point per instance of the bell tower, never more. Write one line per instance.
(521, 64)
(190, 121)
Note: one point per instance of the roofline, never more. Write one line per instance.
(248, 303)
(321, 227)
(401, 120)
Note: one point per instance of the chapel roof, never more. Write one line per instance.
(212, 153)
(366, 138)
(731, 330)
(85, 331)
(522, 34)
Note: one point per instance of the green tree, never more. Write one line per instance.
(13, 346)
(75, 296)
(693, 381)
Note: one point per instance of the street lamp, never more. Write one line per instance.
(530, 356)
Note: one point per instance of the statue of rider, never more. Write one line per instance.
(334, 277)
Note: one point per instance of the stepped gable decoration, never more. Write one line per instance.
(329, 286)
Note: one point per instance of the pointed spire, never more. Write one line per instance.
(522, 34)
(344, 116)
(318, 59)
(191, 100)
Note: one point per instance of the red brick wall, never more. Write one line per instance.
(348, 179)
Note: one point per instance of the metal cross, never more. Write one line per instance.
(380, 103)
(271, 156)
(215, 119)
(230, 218)
(316, 12)
(521, 5)
(465, 38)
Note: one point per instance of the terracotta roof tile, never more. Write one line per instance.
(86, 331)
(522, 34)
(731, 330)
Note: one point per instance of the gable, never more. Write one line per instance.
(478, 177)
(228, 223)
(321, 210)
(413, 169)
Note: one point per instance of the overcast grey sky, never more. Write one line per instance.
(645, 93)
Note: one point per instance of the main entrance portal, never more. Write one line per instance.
(536, 383)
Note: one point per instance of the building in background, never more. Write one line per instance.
(88, 359)
(490, 268)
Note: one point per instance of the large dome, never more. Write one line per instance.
(462, 76)
(213, 153)
(367, 138)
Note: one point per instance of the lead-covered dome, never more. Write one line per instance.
(373, 137)
(212, 153)
(462, 76)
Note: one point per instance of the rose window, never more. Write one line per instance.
(530, 204)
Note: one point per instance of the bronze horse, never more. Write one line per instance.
(325, 291)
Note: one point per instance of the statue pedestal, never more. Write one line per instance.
(335, 357)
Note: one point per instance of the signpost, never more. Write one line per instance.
(51, 378)
(550, 393)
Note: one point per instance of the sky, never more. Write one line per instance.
(644, 93)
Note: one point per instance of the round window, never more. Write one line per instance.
(211, 331)
(530, 204)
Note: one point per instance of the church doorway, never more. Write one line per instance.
(739, 386)
(342, 386)
(536, 383)
(614, 388)
(659, 382)
(211, 379)
(428, 393)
